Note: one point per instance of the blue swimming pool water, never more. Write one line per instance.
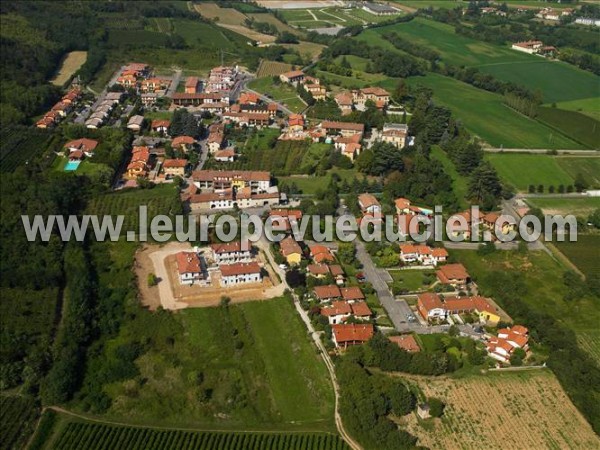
(71, 166)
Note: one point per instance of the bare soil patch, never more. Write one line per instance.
(70, 64)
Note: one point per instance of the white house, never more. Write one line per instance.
(190, 268)
(238, 273)
(231, 252)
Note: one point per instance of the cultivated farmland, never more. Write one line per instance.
(520, 410)
(272, 68)
(21, 144)
(482, 111)
(580, 206)
(70, 64)
(17, 416)
(88, 436)
(572, 123)
(558, 81)
(583, 253)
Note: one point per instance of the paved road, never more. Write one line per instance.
(555, 195)
(542, 151)
(174, 83)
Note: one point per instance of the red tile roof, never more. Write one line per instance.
(406, 342)
(429, 301)
(327, 124)
(228, 270)
(289, 246)
(228, 247)
(336, 309)
(361, 309)
(326, 292)
(160, 123)
(169, 163)
(180, 140)
(318, 269)
(352, 333)
(320, 253)
(336, 270)
(86, 145)
(452, 272)
(352, 293)
(188, 262)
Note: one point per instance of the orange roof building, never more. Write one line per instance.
(345, 335)
(406, 342)
(453, 274)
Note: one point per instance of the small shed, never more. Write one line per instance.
(423, 411)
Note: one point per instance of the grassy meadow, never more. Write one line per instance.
(283, 93)
(485, 115)
(572, 123)
(580, 206)
(589, 107)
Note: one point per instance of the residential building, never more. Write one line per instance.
(369, 204)
(226, 155)
(154, 84)
(188, 99)
(352, 294)
(406, 342)
(293, 77)
(327, 293)
(240, 273)
(345, 335)
(148, 98)
(282, 219)
(337, 273)
(432, 306)
(248, 98)
(87, 146)
(345, 102)
(139, 165)
(589, 21)
(321, 254)
(317, 91)
(291, 251)
(423, 254)
(379, 96)
(318, 270)
(230, 199)
(295, 123)
(343, 128)
(174, 167)
(135, 123)
(395, 133)
(192, 85)
(183, 143)
(226, 179)
(337, 312)
(215, 141)
(530, 47)
(160, 126)
(502, 347)
(190, 268)
(231, 252)
(453, 274)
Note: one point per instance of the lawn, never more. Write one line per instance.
(358, 79)
(545, 290)
(581, 206)
(584, 129)
(485, 115)
(310, 184)
(459, 182)
(521, 170)
(249, 366)
(410, 279)
(283, 93)
(558, 81)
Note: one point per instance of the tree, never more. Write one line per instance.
(400, 92)
(346, 252)
(594, 218)
(484, 183)
(402, 400)
(295, 278)
(517, 357)
(152, 280)
(436, 407)
(540, 189)
(531, 189)
(580, 183)
(486, 249)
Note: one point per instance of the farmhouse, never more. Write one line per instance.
(379, 10)
(406, 342)
(240, 273)
(395, 133)
(453, 274)
(291, 250)
(174, 167)
(377, 95)
(369, 204)
(293, 77)
(530, 47)
(231, 252)
(191, 268)
(87, 146)
(345, 335)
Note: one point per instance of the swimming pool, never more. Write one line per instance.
(70, 166)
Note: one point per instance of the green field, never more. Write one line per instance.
(357, 80)
(92, 436)
(589, 107)
(20, 144)
(250, 366)
(571, 123)
(557, 80)
(581, 206)
(159, 200)
(17, 420)
(521, 170)
(310, 184)
(545, 290)
(485, 115)
(283, 93)
(583, 253)
(410, 279)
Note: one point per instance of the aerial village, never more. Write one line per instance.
(350, 304)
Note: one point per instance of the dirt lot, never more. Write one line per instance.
(70, 64)
(171, 294)
(501, 410)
